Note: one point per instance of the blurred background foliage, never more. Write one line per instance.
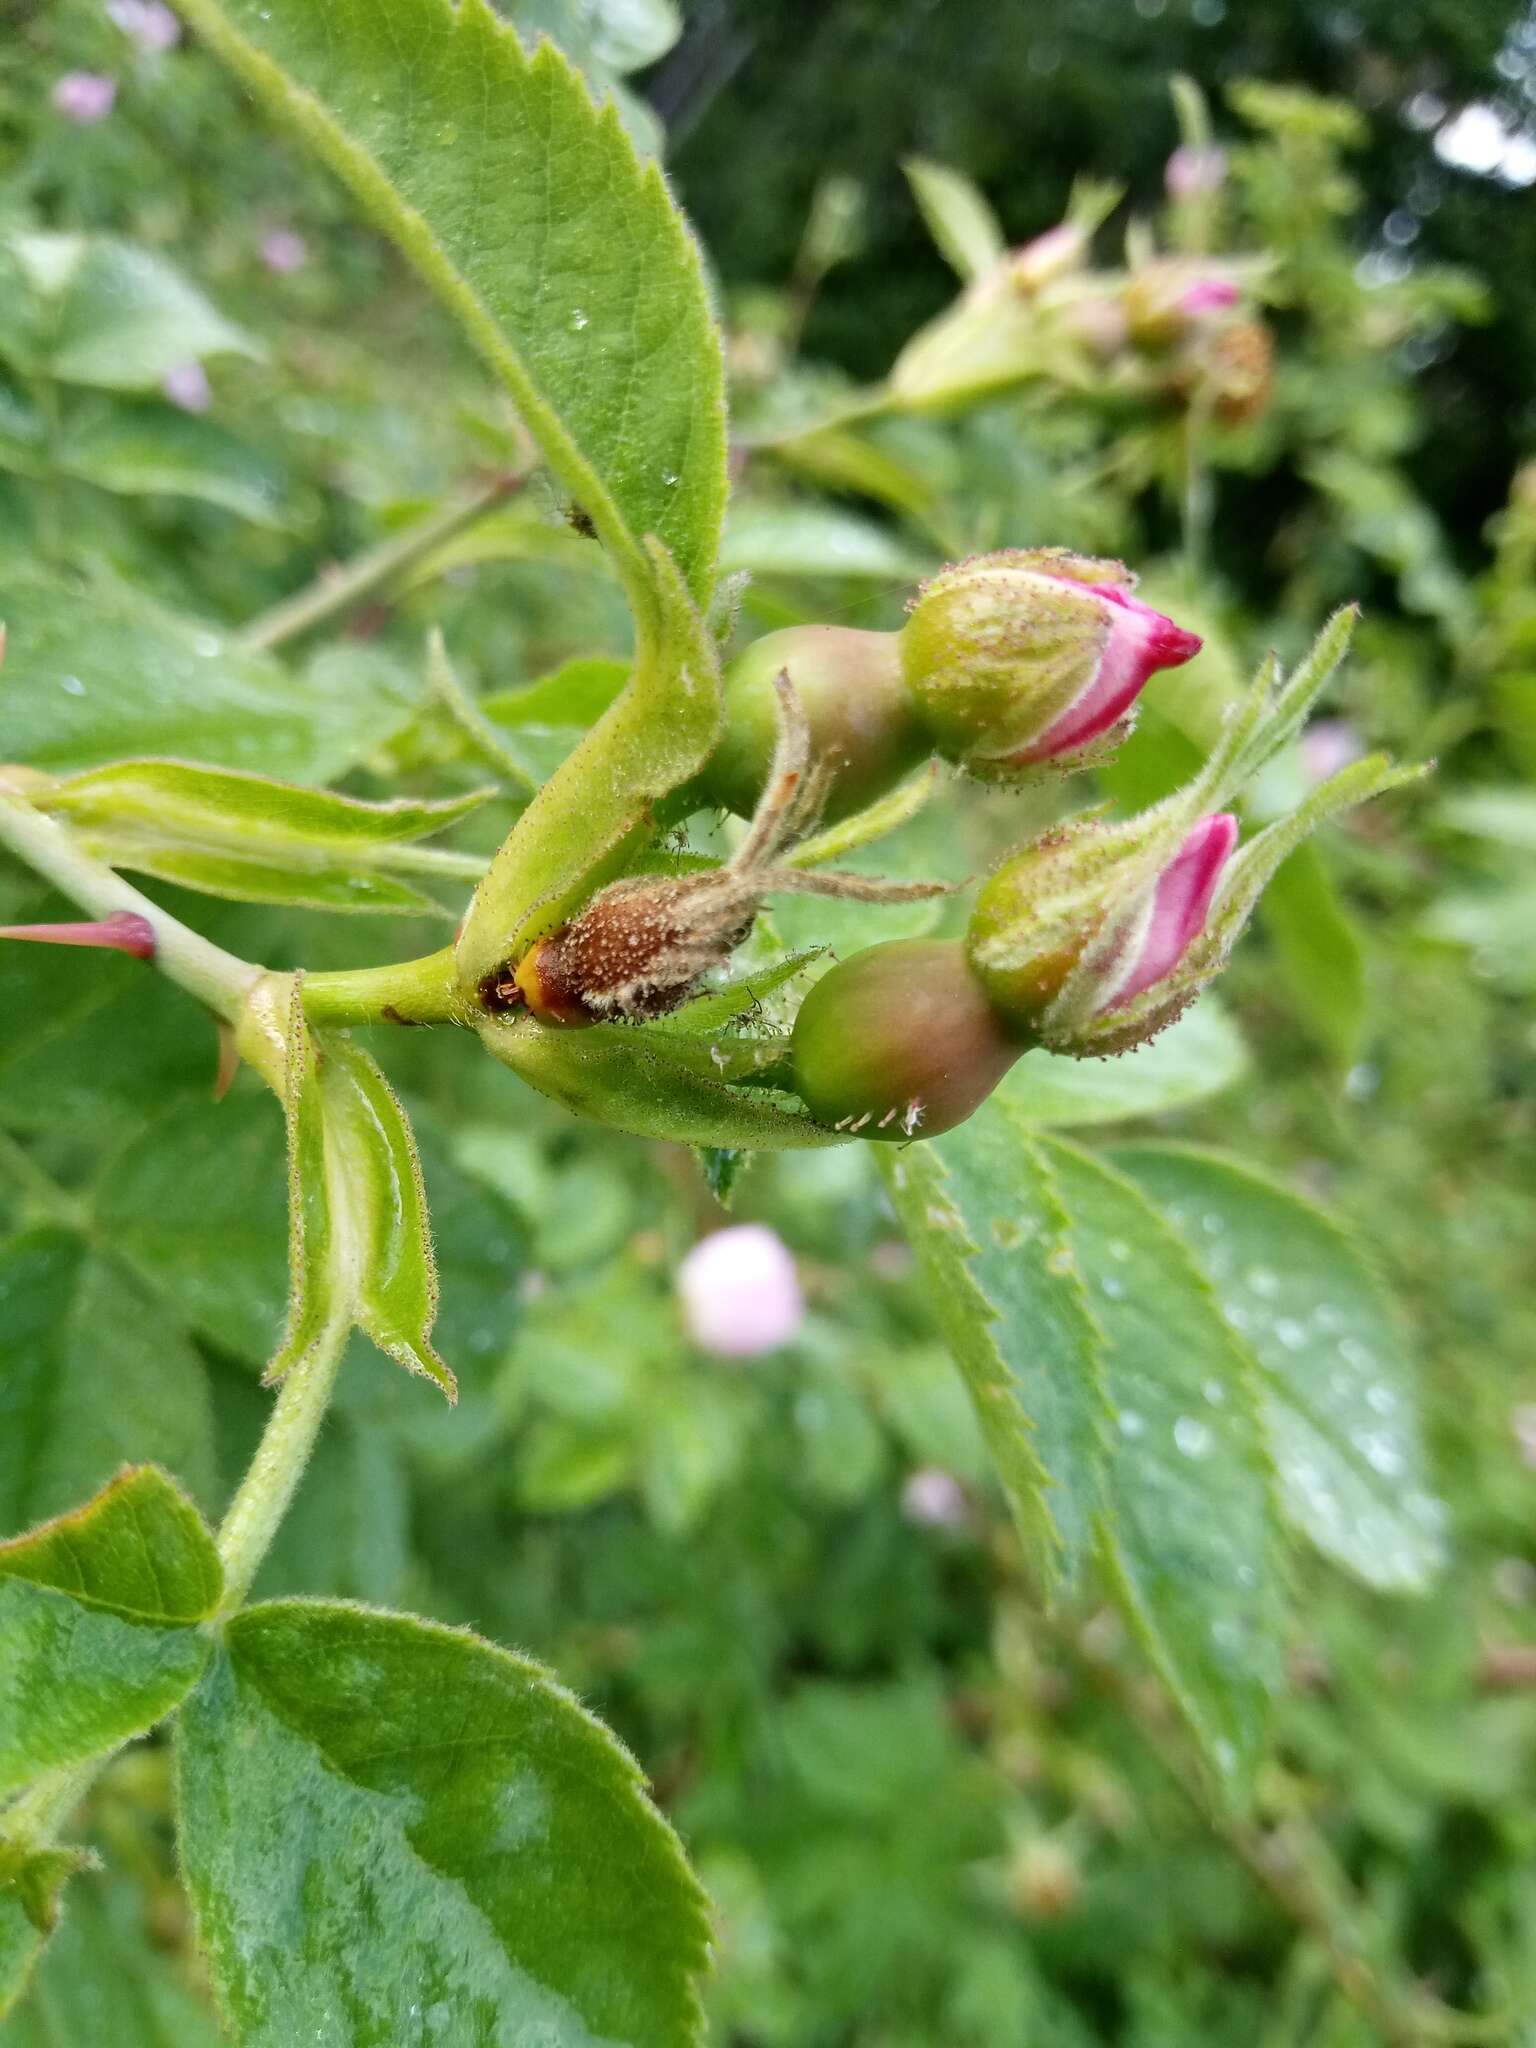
(926, 1814)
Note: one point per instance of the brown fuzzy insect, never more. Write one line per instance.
(643, 945)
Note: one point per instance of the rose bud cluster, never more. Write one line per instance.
(1089, 941)
(1010, 665)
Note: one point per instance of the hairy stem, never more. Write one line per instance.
(332, 596)
(424, 991)
(194, 963)
(272, 1479)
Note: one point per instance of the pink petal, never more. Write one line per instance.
(124, 932)
(1191, 171)
(1141, 641)
(1210, 295)
(1183, 897)
(740, 1293)
(84, 96)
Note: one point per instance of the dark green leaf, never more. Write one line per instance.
(92, 1373)
(98, 1624)
(1320, 951)
(1338, 1387)
(1199, 1056)
(469, 1855)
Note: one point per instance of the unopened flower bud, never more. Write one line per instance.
(84, 97)
(1193, 171)
(740, 1293)
(1044, 1881)
(1074, 929)
(900, 1042)
(1049, 256)
(1166, 298)
(186, 385)
(864, 731)
(1033, 657)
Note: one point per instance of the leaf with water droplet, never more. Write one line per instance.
(1336, 1381)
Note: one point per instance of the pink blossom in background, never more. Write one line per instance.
(149, 23)
(933, 1499)
(740, 1293)
(186, 385)
(84, 96)
(1191, 172)
(1209, 295)
(1328, 745)
(283, 251)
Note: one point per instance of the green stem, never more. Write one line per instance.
(272, 1479)
(481, 732)
(435, 860)
(204, 970)
(36, 1817)
(424, 991)
(332, 596)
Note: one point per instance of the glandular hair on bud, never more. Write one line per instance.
(864, 733)
(900, 1042)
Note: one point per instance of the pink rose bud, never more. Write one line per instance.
(123, 932)
(84, 96)
(934, 1499)
(739, 1291)
(1192, 172)
(1208, 295)
(186, 385)
(1032, 658)
(1328, 745)
(148, 22)
(1180, 903)
(283, 251)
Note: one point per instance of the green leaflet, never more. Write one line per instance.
(958, 217)
(113, 315)
(980, 1210)
(139, 448)
(336, 1758)
(526, 209)
(360, 1247)
(250, 837)
(774, 537)
(98, 1624)
(1187, 1527)
(31, 1881)
(103, 1980)
(92, 1371)
(94, 674)
(1337, 1384)
(1199, 1056)
(1319, 948)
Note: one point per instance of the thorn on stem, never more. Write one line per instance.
(123, 932)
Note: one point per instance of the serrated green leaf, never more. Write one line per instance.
(1199, 1056)
(119, 317)
(98, 1624)
(574, 695)
(1187, 1523)
(467, 1851)
(104, 1980)
(1337, 1385)
(96, 673)
(525, 208)
(92, 1373)
(137, 449)
(31, 1881)
(979, 1209)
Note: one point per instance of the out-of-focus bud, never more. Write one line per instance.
(1168, 297)
(1033, 657)
(84, 97)
(932, 1498)
(1104, 927)
(1048, 257)
(1241, 371)
(1208, 295)
(1044, 1882)
(1327, 745)
(864, 731)
(149, 23)
(900, 1042)
(1194, 171)
(186, 385)
(283, 251)
(1097, 936)
(739, 1292)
